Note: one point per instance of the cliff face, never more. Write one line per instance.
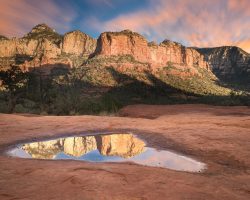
(122, 43)
(78, 43)
(43, 47)
(157, 56)
(41, 40)
(228, 63)
(12, 47)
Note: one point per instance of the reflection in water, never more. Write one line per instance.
(106, 148)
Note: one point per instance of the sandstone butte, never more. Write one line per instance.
(130, 43)
(44, 47)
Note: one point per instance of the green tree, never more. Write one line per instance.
(14, 80)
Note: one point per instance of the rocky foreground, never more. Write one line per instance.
(217, 136)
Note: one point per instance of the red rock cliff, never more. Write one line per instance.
(43, 47)
(128, 42)
(78, 43)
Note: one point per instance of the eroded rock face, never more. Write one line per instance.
(40, 28)
(42, 40)
(78, 43)
(123, 43)
(228, 62)
(42, 31)
(128, 42)
(12, 47)
(169, 51)
(44, 48)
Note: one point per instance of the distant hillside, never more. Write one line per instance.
(228, 63)
(77, 74)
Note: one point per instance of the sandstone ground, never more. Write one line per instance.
(218, 136)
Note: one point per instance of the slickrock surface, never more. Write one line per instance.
(218, 136)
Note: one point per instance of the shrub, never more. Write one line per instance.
(3, 106)
(21, 109)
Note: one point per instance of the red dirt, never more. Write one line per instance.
(218, 136)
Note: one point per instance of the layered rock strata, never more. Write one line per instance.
(78, 43)
(44, 48)
(168, 52)
(228, 63)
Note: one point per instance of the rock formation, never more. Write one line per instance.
(157, 56)
(78, 43)
(44, 48)
(228, 63)
(41, 40)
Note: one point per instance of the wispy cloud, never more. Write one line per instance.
(194, 23)
(191, 22)
(18, 16)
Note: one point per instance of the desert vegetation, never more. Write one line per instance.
(75, 74)
(97, 88)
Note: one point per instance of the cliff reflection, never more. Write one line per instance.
(122, 145)
(107, 148)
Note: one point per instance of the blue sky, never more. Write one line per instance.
(203, 23)
(103, 10)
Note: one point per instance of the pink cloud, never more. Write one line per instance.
(18, 16)
(239, 6)
(194, 23)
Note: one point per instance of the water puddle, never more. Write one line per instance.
(107, 148)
